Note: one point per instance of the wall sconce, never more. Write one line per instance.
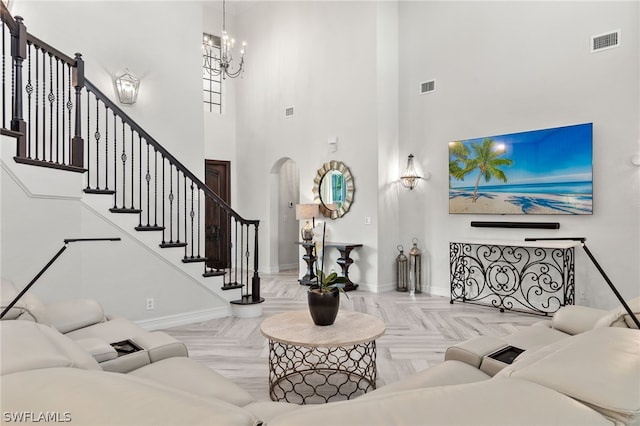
(410, 178)
(127, 88)
(635, 160)
(306, 212)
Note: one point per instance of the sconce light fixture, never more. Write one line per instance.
(635, 160)
(127, 87)
(410, 178)
(306, 212)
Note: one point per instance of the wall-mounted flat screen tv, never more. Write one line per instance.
(536, 172)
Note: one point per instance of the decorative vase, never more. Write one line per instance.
(323, 305)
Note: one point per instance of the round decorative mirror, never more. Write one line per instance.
(333, 189)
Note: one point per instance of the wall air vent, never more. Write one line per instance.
(427, 86)
(605, 41)
(288, 112)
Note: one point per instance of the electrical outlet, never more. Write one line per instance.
(150, 304)
(367, 220)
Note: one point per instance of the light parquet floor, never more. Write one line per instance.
(418, 331)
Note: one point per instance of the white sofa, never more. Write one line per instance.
(588, 376)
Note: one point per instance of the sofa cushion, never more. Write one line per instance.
(619, 317)
(574, 319)
(191, 376)
(494, 402)
(83, 397)
(447, 373)
(71, 315)
(28, 345)
(600, 367)
(28, 307)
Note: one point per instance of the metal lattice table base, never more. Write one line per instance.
(304, 375)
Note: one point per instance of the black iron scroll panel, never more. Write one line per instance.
(529, 279)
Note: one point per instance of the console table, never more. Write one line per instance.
(315, 364)
(344, 261)
(530, 276)
(310, 259)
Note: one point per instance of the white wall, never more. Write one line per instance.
(320, 58)
(503, 67)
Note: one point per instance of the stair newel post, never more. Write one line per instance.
(255, 280)
(19, 54)
(77, 143)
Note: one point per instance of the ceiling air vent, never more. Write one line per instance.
(427, 86)
(288, 112)
(605, 41)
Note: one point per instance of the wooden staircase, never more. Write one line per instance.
(60, 120)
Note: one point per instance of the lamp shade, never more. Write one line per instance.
(127, 87)
(307, 211)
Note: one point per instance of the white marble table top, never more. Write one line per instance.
(297, 328)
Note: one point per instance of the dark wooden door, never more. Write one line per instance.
(217, 221)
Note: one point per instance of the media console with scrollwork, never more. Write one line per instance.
(536, 277)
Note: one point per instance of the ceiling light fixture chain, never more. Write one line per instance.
(222, 65)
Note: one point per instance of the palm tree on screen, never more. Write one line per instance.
(487, 160)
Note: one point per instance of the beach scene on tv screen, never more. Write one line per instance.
(545, 171)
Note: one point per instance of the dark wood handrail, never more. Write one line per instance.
(166, 154)
(50, 49)
(7, 18)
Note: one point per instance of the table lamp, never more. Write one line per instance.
(306, 212)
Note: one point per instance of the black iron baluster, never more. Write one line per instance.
(88, 137)
(132, 169)
(192, 215)
(50, 98)
(148, 179)
(178, 206)
(115, 160)
(4, 90)
(29, 89)
(170, 203)
(44, 105)
(62, 104)
(199, 192)
(69, 108)
(155, 187)
(97, 137)
(164, 227)
(123, 158)
(184, 187)
(57, 95)
(140, 180)
(36, 109)
(106, 147)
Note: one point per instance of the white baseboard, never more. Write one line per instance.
(185, 318)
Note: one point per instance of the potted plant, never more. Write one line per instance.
(324, 296)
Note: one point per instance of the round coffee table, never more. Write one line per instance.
(317, 364)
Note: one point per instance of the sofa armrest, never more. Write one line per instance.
(72, 315)
(473, 350)
(98, 349)
(572, 319)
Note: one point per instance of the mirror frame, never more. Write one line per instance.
(350, 191)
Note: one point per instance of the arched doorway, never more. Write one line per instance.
(284, 195)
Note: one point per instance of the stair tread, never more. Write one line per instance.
(195, 259)
(172, 244)
(124, 210)
(99, 191)
(149, 228)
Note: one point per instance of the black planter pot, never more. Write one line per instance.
(323, 306)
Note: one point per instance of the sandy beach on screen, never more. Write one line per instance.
(508, 203)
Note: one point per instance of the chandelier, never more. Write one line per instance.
(218, 56)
